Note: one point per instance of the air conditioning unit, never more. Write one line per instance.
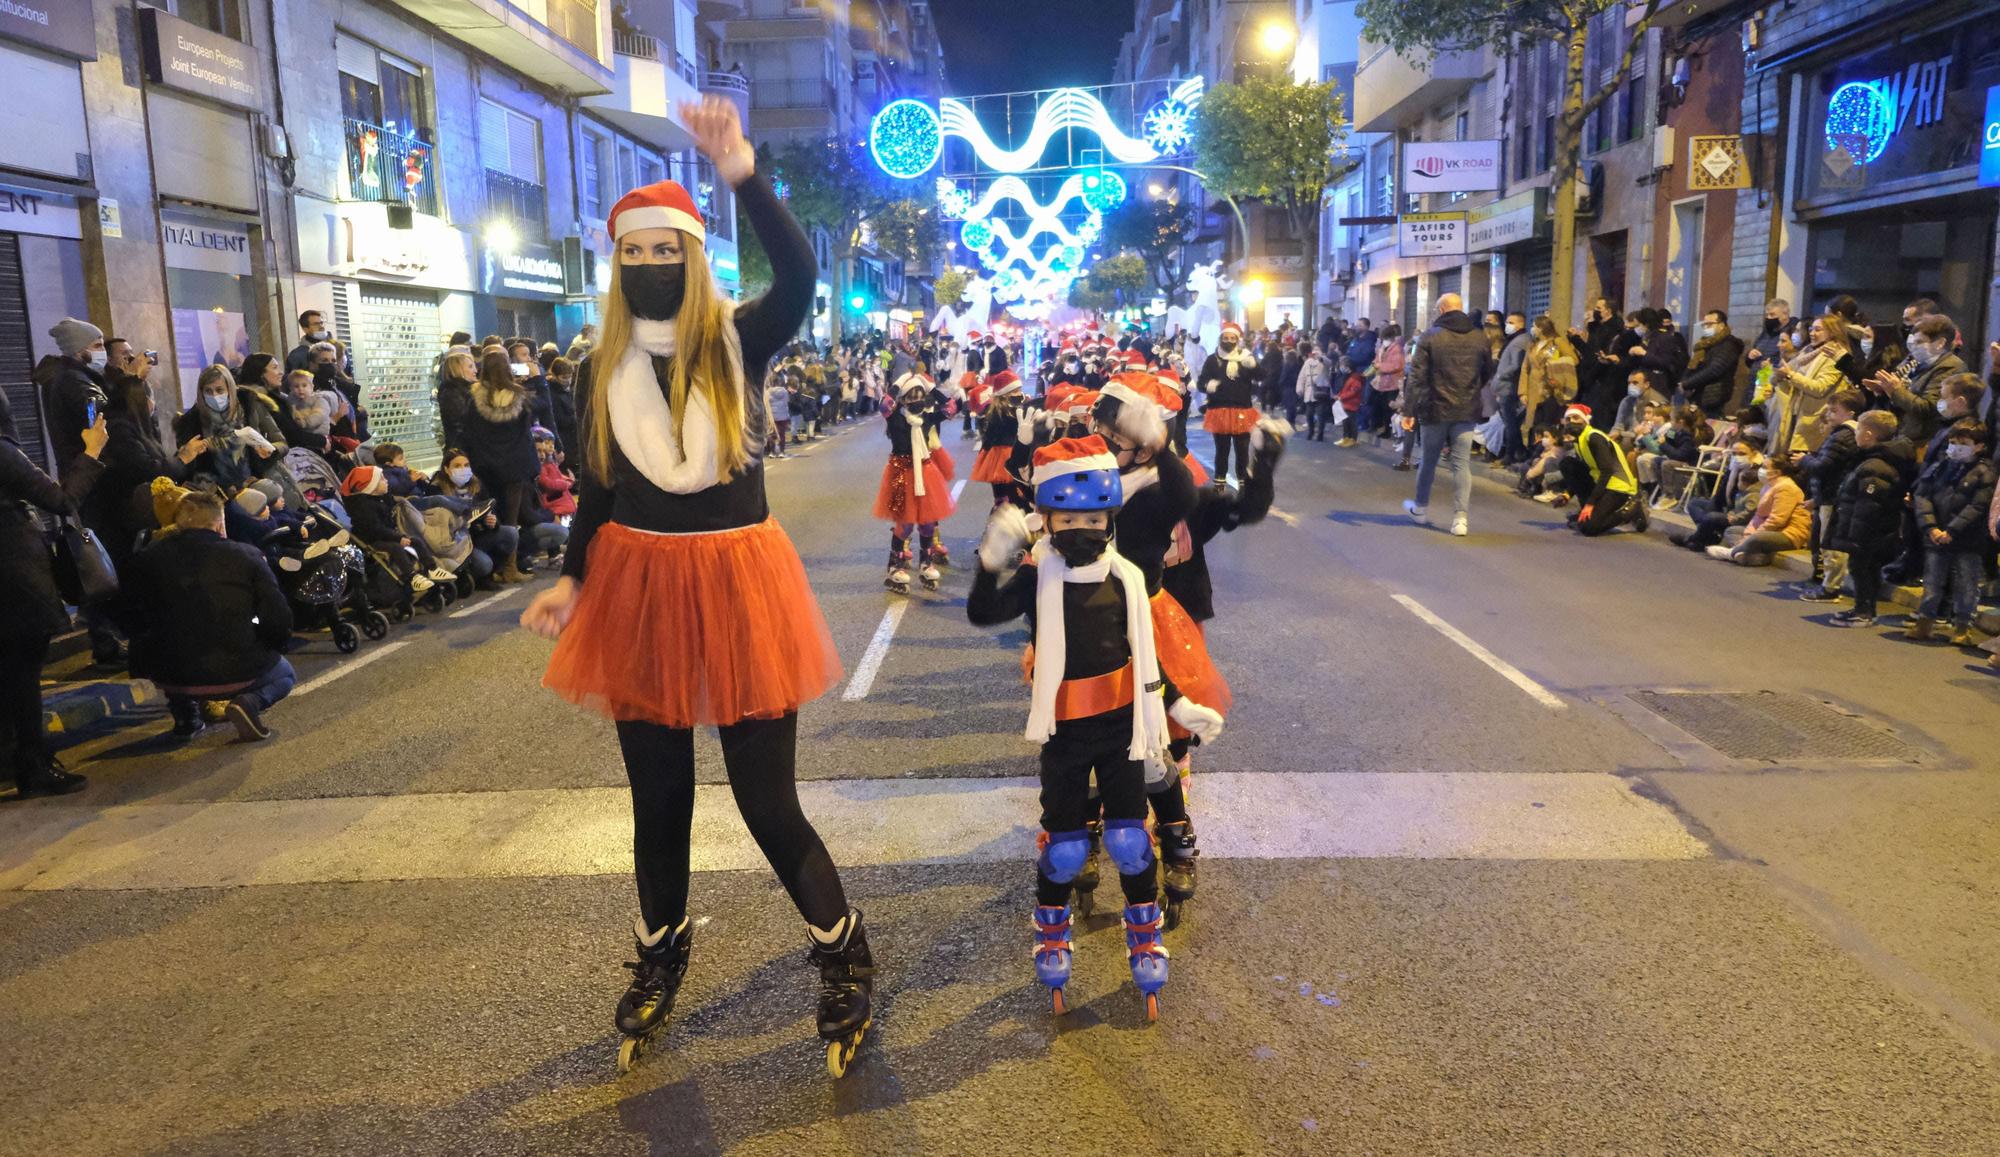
(1663, 147)
(579, 266)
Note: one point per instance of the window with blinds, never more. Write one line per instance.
(509, 142)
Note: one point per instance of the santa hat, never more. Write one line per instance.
(1083, 401)
(972, 335)
(1229, 327)
(1057, 399)
(1068, 345)
(1167, 397)
(364, 480)
(1077, 474)
(1172, 378)
(914, 380)
(1004, 382)
(660, 205)
(1577, 409)
(1128, 406)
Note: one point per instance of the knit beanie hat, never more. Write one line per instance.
(251, 501)
(167, 495)
(269, 489)
(74, 336)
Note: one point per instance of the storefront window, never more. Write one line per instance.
(1889, 259)
(1899, 116)
(211, 291)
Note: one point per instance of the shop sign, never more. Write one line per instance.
(109, 222)
(1901, 113)
(33, 211)
(1521, 217)
(532, 271)
(1430, 235)
(203, 243)
(1451, 166)
(1717, 163)
(192, 59)
(1989, 146)
(63, 26)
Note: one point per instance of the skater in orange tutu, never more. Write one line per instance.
(1229, 380)
(682, 603)
(1004, 454)
(916, 482)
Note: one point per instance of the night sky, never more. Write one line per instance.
(1015, 45)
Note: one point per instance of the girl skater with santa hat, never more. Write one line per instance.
(682, 603)
(915, 494)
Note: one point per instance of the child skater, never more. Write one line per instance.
(916, 493)
(1100, 701)
(1000, 441)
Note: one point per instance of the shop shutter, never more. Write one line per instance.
(398, 337)
(1450, 281)
(16, 356)
(1540, 272)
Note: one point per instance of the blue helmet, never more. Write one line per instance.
(1077, 474)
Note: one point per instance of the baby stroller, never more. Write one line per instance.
(443, 531)
(328, 590)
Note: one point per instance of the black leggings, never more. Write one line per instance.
(21, 740)
(1067, 761)
(1223, 442)
(760, 756)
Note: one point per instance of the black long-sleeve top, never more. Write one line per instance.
(763, 326)
(1239, 392)
(897, 423)
(1002, 424)
(1145, 523)
(1093, 635)
(1214, 512)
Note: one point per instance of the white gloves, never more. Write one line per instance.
(1203, 723)
(1007, 535)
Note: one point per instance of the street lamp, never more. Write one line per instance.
(1276, 36)
(1252, 291)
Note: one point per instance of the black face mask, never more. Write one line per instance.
(1772, 325)
(653, 291)
(1080, 546)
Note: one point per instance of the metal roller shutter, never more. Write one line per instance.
(397, 340)
(17, 358)
(1540, 271)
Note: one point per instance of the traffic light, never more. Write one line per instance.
(858, 303)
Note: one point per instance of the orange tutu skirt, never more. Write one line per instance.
(694, 629)
(1184, 658)
(897, 502)
(991, 465)
(942, 459)
(1199, 471)
(1229, 419)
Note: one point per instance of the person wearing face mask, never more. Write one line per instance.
(312, 331)
(1950, 504)
(1717, 359)
(1229, 381)
(1798, 389)
(1870, 509)
(1780, 329)
(1664, 354)
(1599, 476)
(1100, 702)
(239, 426)
(499, 439)
(1719, 518)
(1511, 447)
(1782, 520)
(682, 602)
(73, 386)
(915, 494)
(1916, 396)
(1003, 441)
(120, 507)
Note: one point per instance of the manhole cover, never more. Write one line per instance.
(1776, 726)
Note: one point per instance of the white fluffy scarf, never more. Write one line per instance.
(920, 449)
(1149, 710)
(642, 421)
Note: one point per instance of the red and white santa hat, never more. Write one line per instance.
(1068, 344)
(1172, 378)
(915, 380)
(1004, 382)
(660, 205)
(364, 480)
(1577, 410)
(1229, 327)
(972, 335)
(1073, 456)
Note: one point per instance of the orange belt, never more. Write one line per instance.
(1083, 698)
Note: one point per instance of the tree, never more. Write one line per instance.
(1123, 276)
(1158, 231)
(1280, 142)
(837, 187)
(949, 288)
(908, 229)
(1084, 295)
(1420, 29)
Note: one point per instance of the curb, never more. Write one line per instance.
(75, 708)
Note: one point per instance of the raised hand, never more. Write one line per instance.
(718, 133)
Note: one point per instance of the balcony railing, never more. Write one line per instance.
(636, 44)
(389, 167)
(807, 93)
(733, 83)
(524, 203)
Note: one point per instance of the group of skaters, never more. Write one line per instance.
(683, 604)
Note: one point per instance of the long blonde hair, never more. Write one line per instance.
(707, 357)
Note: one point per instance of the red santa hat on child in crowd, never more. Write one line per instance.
(660, 205)
(365, 480)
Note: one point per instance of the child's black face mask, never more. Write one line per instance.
(1080, 545)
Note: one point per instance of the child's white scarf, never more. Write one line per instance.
(920, 449)
(1149, 711)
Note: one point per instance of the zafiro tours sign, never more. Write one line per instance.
(1451, 166)
(1430, 235)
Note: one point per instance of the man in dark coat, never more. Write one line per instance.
(74, 397)
(209, 622)
(1452, 364)
(1711, 378)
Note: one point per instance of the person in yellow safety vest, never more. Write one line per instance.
(1598, 473)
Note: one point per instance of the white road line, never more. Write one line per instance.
(482, 604)
(1507, 670)
(878, 649)
(1285, 517)
(348, 667)
(547, 832)
(958, 488)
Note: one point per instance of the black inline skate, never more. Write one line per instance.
(1177, 867)
(846, 973)
(656, 979)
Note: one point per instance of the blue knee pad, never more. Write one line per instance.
(1126, 842)
(1063, 856)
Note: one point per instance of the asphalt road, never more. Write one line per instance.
(1666, 866)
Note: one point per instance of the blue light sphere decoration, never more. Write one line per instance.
(906, 138)
(1104, 191)
(1070, 257)
(1861, 119)
(1169, 127)
(977, 235)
